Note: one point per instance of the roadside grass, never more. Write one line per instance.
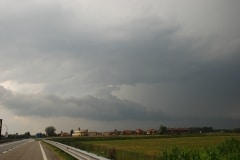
(61, 155)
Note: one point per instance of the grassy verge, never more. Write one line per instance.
(61, 155)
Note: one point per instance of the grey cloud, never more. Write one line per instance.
(74, 53)
(146, 55)
(89, 107)
(199, 92)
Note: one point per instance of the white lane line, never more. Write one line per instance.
(11, 143)
(43, 153)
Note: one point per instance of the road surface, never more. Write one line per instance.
(25, 150)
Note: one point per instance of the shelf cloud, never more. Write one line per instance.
(150, 62)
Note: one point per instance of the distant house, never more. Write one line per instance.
(79, 133)
(139, 131)
(151, 131)
(64, 134)
(177, 130)
(128, 132)
(106, 133)
(94, 134)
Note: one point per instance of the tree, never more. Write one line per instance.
(50, 131)
(237, 130)
(27, 135)
(162, 129)
(40, 135)
(71, 132)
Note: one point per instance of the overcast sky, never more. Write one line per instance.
(119, 64)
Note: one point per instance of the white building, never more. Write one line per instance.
(79, 133)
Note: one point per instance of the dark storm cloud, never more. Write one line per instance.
(90, 107)
(190, 64)
(205, 90)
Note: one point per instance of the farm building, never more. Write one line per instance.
(79, 133)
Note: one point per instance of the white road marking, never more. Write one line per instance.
(10, 143)
(43, 152)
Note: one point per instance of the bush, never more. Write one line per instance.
(229, 150)
(180, 154)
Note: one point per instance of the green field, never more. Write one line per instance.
(158, 145)
(145, 147)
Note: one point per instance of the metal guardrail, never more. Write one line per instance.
(75, 152)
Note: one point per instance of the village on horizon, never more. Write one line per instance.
(162, 130)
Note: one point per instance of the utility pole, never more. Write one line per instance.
(0, 129)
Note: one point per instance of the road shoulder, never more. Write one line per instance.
(50, 152)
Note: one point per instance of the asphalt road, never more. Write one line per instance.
(25, 150)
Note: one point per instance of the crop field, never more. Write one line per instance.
(144, 147)
(157, 146)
